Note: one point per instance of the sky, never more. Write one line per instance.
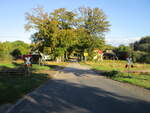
(129, 19)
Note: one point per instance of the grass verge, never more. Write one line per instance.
(13, 88)
(135, 79)
(15, 85)
(108, 68)
(38, 67)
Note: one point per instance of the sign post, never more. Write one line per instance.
(85, 55)
(28, 64)
(129, 64)
(100, 52)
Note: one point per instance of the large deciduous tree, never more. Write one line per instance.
(64, 31)
(94, 21)
(142, 45)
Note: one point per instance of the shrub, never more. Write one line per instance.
(15, 53)
(137, 56)
(111, 73)
(122, 52)
(141, 57)
(145, 58)
(114, 73)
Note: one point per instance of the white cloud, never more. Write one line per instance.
(118, 41)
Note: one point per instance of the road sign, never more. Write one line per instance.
(100, 51)
(28, 60)
(129, 60)
(85, 54)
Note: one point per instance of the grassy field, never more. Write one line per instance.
(136, 79)
(14, 86)
(116, 70)
(8, 65)
(108, 65)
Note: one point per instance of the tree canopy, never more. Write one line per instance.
(142, 45)
(15, 49)
(64, 31)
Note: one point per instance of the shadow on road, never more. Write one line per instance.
(66, 97)
(80, 72)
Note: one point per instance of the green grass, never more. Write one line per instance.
(136, 79)
(8, 65)
(38, 67)
(108, 66)
(13, 88)
(34, 66)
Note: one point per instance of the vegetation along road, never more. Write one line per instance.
(78, 89)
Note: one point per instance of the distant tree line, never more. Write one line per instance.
(139, 51)
(12, 50)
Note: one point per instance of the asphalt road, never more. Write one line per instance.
(77, 89)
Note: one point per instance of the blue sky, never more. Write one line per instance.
(130, 19)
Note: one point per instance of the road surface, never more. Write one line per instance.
(77, 89)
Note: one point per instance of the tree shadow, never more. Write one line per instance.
(80, 72)
(59, 96)
(55, 67)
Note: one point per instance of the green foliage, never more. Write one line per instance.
(145, 58)
(113, 73)
(123, 52)
(109, 47)
(142, 45)
(47, 50)
(5, 49)
(13, 88)
(116, 70)
(141, 50)
(94, 20)
(66, 31)
(20, 46)
(7, 65)
(38, 67)
(59, 52)
(135, 79)
(15, 49)
(137, 56)
(16, 53)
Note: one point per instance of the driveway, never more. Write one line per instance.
(78, 89)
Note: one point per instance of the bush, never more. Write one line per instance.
(122, 52)
(111, 73)
(141, 57)
(15, 53)
(145, 58)
(137, 56)
(114, 73)
(143, 44)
